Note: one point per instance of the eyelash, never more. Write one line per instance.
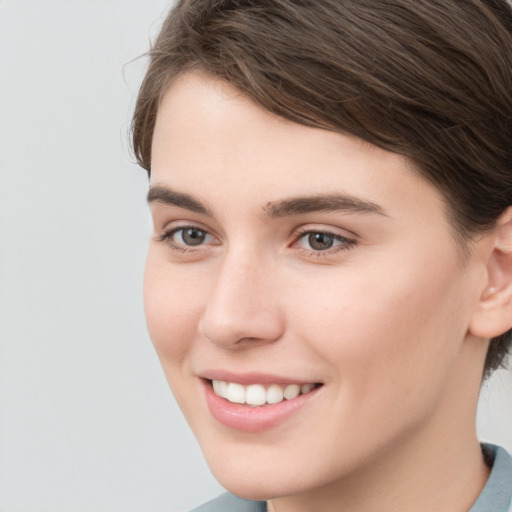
(167, 238)
(345, 243)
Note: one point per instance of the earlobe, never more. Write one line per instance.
(493, 316)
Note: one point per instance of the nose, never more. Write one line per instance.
(242, 306)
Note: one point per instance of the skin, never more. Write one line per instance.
(389, 323)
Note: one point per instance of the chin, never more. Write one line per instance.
(262, 487)
(264, 476)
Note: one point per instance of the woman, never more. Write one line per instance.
(330, 275)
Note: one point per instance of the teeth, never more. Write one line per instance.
(291, 391)
(275, 394)
(235, 393)
(306, 388)
(256, 394)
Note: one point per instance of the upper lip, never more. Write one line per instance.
(248, 378)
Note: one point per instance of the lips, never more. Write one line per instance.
(257, 404)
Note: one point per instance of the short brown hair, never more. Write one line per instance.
(428, 79)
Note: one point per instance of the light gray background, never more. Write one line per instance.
(87, 423)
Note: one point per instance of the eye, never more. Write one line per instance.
(323, 241)
(190, 236)
(319, 241)
(186, 237)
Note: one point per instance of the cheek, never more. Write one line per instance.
(386, 334)
(172, 309)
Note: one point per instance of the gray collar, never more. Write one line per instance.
(497, 493)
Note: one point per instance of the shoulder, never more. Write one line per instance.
(229, 503)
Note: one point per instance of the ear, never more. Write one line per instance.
(494, 312)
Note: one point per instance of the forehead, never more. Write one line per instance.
(212, 141)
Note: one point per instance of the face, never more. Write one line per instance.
(304, 293)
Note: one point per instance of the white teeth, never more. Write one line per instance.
(216, 387)
(235, 393)
(221, 388)
(291, 391)
(256, 395)
(275, 394)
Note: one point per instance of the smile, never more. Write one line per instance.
(262, 402)
(257, 395)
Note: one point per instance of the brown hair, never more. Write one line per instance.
(428, 79)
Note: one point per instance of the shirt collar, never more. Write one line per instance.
(497, 493)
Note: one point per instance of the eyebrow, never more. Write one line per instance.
(283, 208)
(322, 203)
(165, 195)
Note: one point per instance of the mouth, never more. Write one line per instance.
(260, 395)
(253, 402)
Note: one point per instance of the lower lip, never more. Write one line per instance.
(253, 419)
